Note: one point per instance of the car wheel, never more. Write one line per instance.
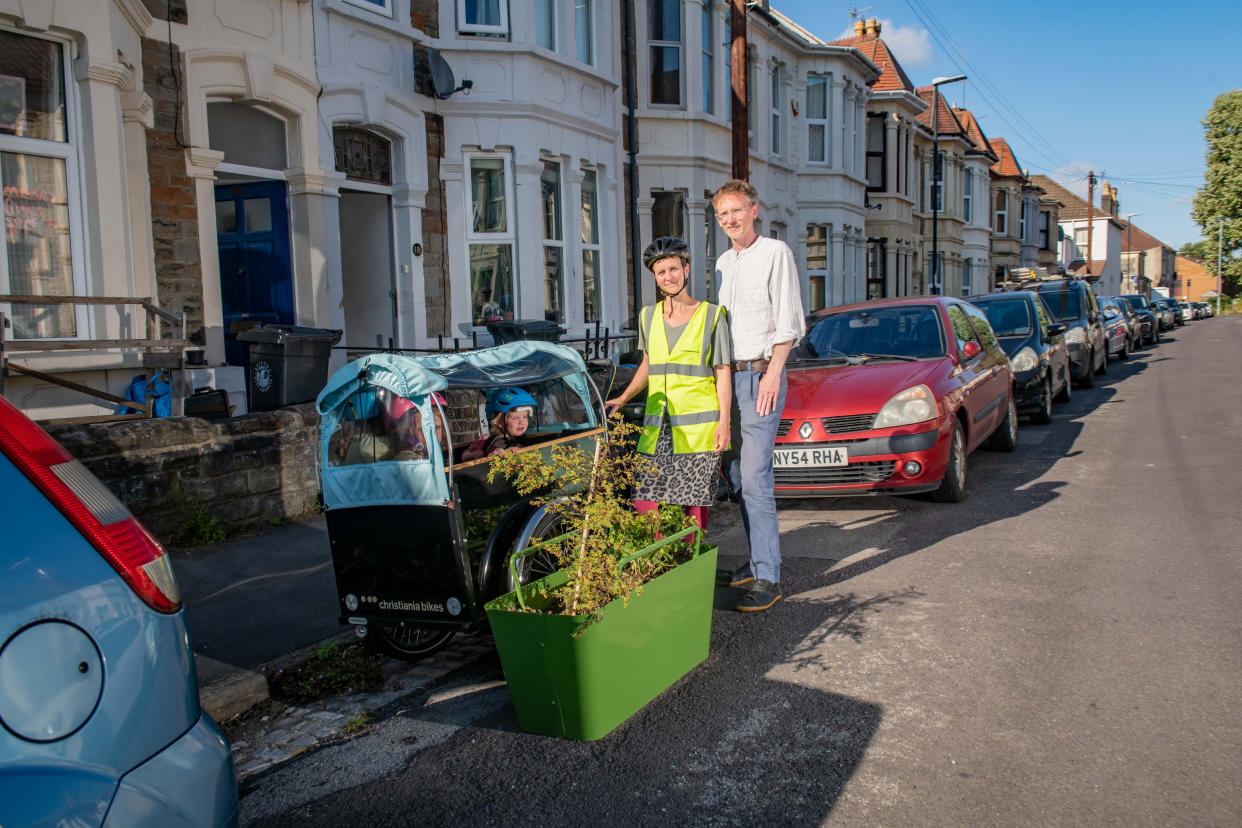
(1103, 369)
(1067, 390)
(1088, 378)
(1044, 415)
(953, 487)
(409, 643)
(1125, 350)
(1005, 438)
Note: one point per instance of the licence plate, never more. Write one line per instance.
(785, 458)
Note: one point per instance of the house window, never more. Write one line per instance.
(778, 230)
(664, 39)
(968, 182)
(966, 277)
(1043, 229)
(1022, 222)
(490, 238)
(817, 261)
(817, 120)
(584, 30)
(709, 58)
(591, 297)
(903, 143)
(485, 17)
(553, 243)
(877, 270)
(1000, 220)
(776, 111)
(668, 213)
(1080, 240)
(877, 153)
(938, 183)
(922, 186)
(38, 174)
(545, 23)
(384, 7)
(362, 155)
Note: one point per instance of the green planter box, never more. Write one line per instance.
(582, 688)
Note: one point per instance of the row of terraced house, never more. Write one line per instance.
(407, 170)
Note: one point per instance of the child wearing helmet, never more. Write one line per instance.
(510, 410)
(687, 351)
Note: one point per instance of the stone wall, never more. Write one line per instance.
(174, 213)
(244, 472)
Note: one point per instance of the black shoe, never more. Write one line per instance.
(735, 577)
(762, 595)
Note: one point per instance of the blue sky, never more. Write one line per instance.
(1116, 87)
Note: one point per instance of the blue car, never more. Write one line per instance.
(99, 716)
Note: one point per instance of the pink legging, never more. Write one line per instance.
(698, 513)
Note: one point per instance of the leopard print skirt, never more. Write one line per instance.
(680, 479)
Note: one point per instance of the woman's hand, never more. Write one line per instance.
(723, 433)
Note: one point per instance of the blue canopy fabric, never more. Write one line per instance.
(350, 394)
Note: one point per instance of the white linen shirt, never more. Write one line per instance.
(759, 287)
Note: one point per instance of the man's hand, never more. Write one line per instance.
(769, 388)
(720, 440)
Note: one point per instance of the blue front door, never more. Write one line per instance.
(256, 282)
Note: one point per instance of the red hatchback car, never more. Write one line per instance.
(889, 397)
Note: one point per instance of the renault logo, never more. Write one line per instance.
(805, 429)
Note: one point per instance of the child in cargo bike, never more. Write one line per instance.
(395, 434)
(511, 410)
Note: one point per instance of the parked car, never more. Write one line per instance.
(1148, 323)
(98, 692)
(1164, 313)
(1205, 309)
(1181, 313)
(1073, 304)
(889, 397)
(1035, 345)
(1116, 328)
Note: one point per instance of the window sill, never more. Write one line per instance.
(375, 20)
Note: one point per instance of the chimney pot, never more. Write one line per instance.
(859, 26)
(870, 29)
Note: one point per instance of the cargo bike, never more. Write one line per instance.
(420, 538)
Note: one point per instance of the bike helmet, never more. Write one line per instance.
(437, 398)
(507, 399)
(663, 247)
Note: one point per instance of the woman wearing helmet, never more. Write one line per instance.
(510, 410)
(687, 353)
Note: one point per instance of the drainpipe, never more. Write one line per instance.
(631, 94)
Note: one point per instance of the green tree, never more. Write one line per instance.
(1220, 197)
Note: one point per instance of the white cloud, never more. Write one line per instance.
(910, 44)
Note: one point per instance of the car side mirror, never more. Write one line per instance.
(971, 350)
(1056, 329)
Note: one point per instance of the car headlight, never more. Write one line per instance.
(1075, 336)
(1024, 360)
(914, 405)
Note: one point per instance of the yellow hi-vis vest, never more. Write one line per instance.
(681, 383)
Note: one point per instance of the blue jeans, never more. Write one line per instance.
(750, 471)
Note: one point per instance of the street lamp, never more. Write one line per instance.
(937, 270)
(1129, 238)
(1220, 246)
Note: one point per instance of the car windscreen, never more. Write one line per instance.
(1136, 302)
(912, 332)
(1008, 317)
(1066, 305)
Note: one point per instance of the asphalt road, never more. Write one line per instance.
(1065, 647)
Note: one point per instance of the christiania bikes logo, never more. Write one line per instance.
(263, 375)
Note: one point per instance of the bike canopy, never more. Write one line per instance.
(356, 397)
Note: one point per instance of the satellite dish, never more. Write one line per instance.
(442, 81)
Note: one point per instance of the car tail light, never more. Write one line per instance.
(101, 518)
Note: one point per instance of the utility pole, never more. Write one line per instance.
(737, 84)
(1090, 216)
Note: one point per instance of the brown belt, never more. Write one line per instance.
(760, 365)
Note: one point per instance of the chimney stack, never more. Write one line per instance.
(859, 26)
(1108, 200)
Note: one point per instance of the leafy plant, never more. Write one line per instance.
(330, 670)
(355, 723)
(193, 525)
(590, 497)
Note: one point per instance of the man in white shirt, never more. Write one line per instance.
(758, 282)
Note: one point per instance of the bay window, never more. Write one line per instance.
(664, 51)
(591, 293)
(490, 238)
(485, 17)
(553, 243)
(817, 120)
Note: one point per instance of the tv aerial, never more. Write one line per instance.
(442, 81)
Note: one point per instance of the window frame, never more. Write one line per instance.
(968, 187)
(777, 142)
(1000, 215)
(502, 28)
(937, 184)
(553, 243)
(882, 119)
(679, 45)
(1045, 222)
(552, 8)
(590, 39)
(380, 7)
(812, 274)
(877, 270)
(707, 63)
(825, 122)
(70, 152)
(1022, 228)
(966, 275)
(591, 247)
(506, 237)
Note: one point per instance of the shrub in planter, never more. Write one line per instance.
(627, 613)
